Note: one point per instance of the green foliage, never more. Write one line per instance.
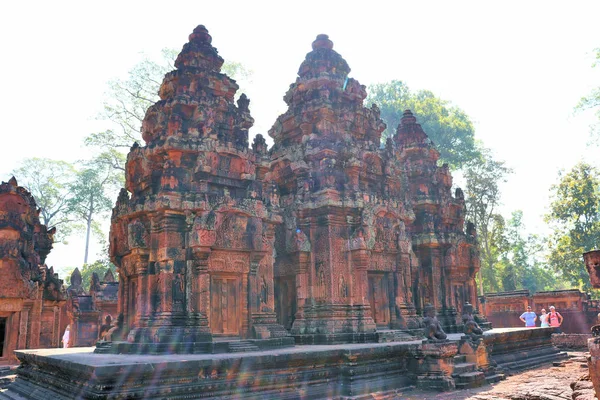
(516, 261)
(490, 259)
(49, 181)
(575, 221)
(127, 100)
(92, 195)
(592, 101)
(482, 197)
(522, 260)
(447, 126)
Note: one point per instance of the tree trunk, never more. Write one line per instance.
(89, 229)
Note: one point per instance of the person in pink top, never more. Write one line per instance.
(555, 319)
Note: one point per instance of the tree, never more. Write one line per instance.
(446, 125)
(490, 273)
(575, 221)
(49, 181)
(592, 101)
(482, 196)
(91, 196)
(126, 102)
(521, 265)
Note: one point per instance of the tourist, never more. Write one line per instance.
(544, 319)
(529, 318)
(66, 337)
(555, 319)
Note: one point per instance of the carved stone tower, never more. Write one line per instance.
(448, 259)
(194, 243)
(343, 262)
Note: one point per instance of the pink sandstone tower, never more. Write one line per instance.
(194, 242)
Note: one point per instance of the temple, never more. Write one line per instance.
(31, 295)
(329, 237)
(328, 234)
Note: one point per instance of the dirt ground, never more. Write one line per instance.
(544, 383)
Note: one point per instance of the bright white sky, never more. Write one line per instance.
(516, 67)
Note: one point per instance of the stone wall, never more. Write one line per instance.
(571, 340)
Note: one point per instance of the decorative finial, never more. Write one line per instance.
(200, 35)
(13, 182)
(408, 117)
(322, 42)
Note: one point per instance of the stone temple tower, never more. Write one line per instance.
(344, 259)
(194, 242)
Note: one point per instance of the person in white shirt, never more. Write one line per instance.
(66, 337)
(544, 319)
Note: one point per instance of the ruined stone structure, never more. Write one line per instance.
(31, 295)
(194, 242)
(369, 234)
(105, 295)
(87, 310)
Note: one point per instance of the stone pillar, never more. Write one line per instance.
(304, 261)
(436, 280)
(435, 364)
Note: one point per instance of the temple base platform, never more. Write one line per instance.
(216, 346)
(341, 371)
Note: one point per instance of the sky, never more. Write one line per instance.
(516, 68)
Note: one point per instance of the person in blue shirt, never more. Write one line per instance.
(529, 318)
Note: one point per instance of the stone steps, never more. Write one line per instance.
(242, 346)
(7, 380)
(466, 375)
(8, 374)
(460, 358)
(530, 360)
(495, 378)
(462, 368)
(470, 380)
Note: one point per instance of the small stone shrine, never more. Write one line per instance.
(31, 295)
(87, 310)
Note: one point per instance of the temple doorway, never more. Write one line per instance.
(225, 305)
(285, 300)
(2, 335)
(379, 298)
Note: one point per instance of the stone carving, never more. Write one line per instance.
(433, 328)
(471, 327)
(117, 331)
